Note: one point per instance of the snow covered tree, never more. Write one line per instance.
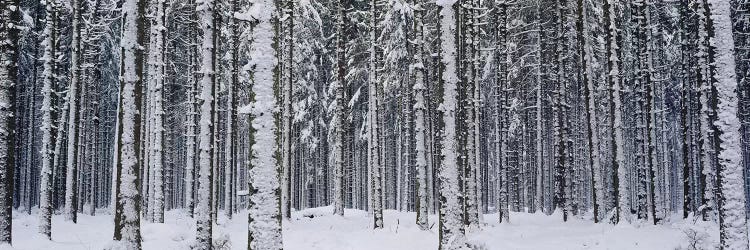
(374, 90)
(287, 80)
(469, 104)
(191, 118)
(539, 189)
(619, 171)
(590, 103)
(230, 137)
(687, 88)
(10, 14)
(562, 127)
(420, 122)
(264, 229)
(156, 75)
(74, 112)
(644, 84)
(501, 96)
(339, 115)
(207, 127)
(732, 218)
(48, 118)
(128, 196)
(452, 235)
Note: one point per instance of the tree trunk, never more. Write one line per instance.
(48, 117)
(264, 229)
(71, 186)
(451, 233)
(127, 211)
(732, 219)
(203, 208)
(8, 81)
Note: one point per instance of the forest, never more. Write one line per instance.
(374, 124)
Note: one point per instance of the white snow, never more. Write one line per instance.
(353, 231)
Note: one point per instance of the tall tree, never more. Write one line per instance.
(10, 13)
(539, 188)
(562, 169)
(619, 171)
(339, 117)
(732, 218)
(686, 105)
(128, 204)
(420, 121)
(645, 78)
(374, 158)
(203, 208)
(74, 111)
(708, 130)
(593, 158)
(264, 228)
(287, 79)
(452, 235)
(156, 75)
(48, 117)
(501, 96)
(192, 110)
(469, 90)
(230, 137)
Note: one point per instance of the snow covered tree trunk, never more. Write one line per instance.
(472, 113)
(451, 234)
(203, 208)
(647, 79)
(339, 116)
(26, 178)
(264, 228)
(640, 132)
(538, 186)
(146, 150)
(191, 133)
(128, 204)
(10, 14)
(230, 149)
(562, 126)
(71, 180)
(419, 122)
(732, 219)
(90, 81)
(48, 117)
(287, 78)
(114, 189)
(214, 148)
(191, 151)
(156, 77)
(501, 80)
(708, 143)
(373, 103)
(645, 83)
(686, 107)
(93, 157)
(619, 171)
(590, 103)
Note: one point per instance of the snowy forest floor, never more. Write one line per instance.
(318, 229)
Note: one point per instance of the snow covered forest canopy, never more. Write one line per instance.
(243, 121)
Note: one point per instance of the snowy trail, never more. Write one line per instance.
(317, 228)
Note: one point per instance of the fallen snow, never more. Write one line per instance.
(319, 229)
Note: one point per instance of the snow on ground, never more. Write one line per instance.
(318, 229)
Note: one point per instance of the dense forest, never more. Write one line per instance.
(612, 111)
